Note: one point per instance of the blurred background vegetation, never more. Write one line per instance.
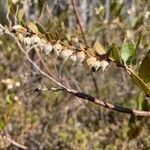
(56, 120)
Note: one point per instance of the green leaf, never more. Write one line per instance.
(40, 28)
(22, 23)
(8, 100)
(128, 53)
(143, 103)
(139, 40)
(114, 53)
(144, 70)
(113, 6)
(140, 101)
(140, 83)
(32, 27)
(135, 127)
(134, 132)
(118, 9)
(41, 5)
(2, 126)
(137, 22)
(47, 36)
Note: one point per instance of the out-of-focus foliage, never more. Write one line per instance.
(56, 120)
(144, 70)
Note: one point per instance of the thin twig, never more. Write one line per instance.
(17, 9)
(43, 63)
(107, 10)
(78, 21)
(95, 84)
(8, 18)
(15, 143)
(42, 11)
(102, 103)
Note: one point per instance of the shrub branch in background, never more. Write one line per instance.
(32, 35)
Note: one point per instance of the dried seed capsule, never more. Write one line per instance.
(93, 63)
(91, 60)
(48, 48)
(19, 28)
(42, 43)
(104, 64)
(57, 48)
(66, 53)
(35, 39)
(27, 41)
(80, 56)
(73, 58)
(20, 37)
(96, 65)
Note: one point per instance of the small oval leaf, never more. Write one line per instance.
(99, 48)
(140, 83)
(32, 27)
(40, 28)
(144, 70)
(128, 53)
(90, 52)
(114, 53)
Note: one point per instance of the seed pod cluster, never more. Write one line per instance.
(96, 65)
(31, 37)
(93, 63)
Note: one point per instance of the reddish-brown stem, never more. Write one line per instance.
(78, 21)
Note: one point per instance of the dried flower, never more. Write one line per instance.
(20, 37)
(57, 48)
(19, 28)
(80, 56)
(10, 86)
(73, 58)
(48, 48)
(93, 63)
(17, 84)
(42, 43)
(104, 64)
(27, 41)
(35, 39)
(66, 53)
